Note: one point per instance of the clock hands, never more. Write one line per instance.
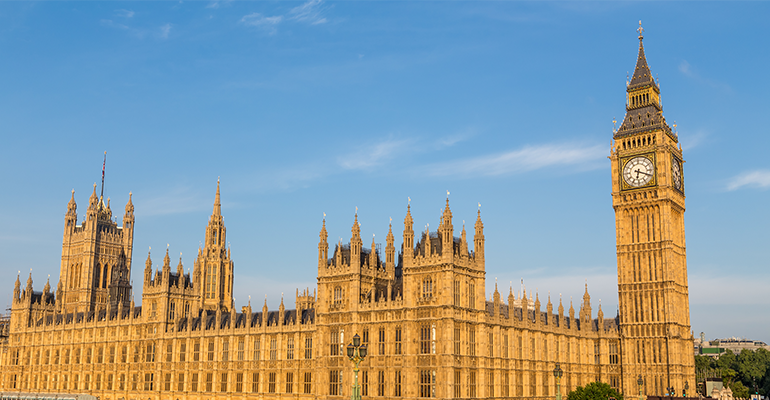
(640, 172)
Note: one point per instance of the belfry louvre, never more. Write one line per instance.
(419, 307)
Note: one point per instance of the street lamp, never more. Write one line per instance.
(356, 354)
(686, 386)
(557, 373)
(640, 382)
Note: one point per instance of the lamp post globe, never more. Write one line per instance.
(557, 373)
(640, 382)
(356, 353)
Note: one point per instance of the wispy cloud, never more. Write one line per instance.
(112, 24)
(179, 200)
(309, 12)
(686, 69)
(218, 3)
(759, 179)
(690, 141)
(261, 21)
(528, 158)
(164, 31)
(124, 13)
(453, 139)
(369, 156)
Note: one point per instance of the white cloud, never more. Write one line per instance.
(686, 69)
(370, 156)
(751, 179)
(165, 30)
(528, 158)
(112, 24)
(179, 200)
(309, 12)
(261, 21)
(215, 4)
(124, 13)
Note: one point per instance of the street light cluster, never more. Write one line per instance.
(356, 354)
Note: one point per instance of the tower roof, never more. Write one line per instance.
(642, 74)
(645, 115)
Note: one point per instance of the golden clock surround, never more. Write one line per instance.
(624, 186)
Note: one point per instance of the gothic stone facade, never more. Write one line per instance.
(421, 311)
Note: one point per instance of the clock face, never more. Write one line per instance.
(638, 171)
(677, 173)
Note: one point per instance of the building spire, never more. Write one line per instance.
(642, 75)
(217, 204)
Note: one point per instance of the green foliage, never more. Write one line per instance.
(702, 362)
(594, 391)
(739, 391)
(745, 373)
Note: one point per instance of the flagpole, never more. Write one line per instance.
(103, 165)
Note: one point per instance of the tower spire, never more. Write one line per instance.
(642, 75)
(217, 204)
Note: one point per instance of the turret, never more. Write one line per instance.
(373, 255)
(128, 232)
(585, 310)
(478, 241)
(17, 289)
(355, 244)
(446, 233)
(28, 290)
(390, 252)
(323, 247)
(148, 269)
(71, 217)
(600, 317)
(408, 237)
(166, 267)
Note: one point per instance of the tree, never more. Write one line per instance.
(594, 391)
(702, 362)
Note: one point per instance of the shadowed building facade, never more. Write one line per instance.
(418, 306)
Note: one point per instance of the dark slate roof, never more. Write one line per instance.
(642, 74)
(647, 118)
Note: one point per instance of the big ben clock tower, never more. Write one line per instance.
(648, 195)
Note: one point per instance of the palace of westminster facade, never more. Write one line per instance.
(420, 309)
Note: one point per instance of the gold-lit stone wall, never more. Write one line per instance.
(420, 308)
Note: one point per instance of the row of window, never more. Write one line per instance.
(291, 383)
(208, 382)
(147, 353)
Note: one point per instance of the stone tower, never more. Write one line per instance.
(96, 257)
(213, 274)
(649, 202)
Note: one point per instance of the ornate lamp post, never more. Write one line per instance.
(640, 382)
(686, 386)
(557, 373)
(356, 354)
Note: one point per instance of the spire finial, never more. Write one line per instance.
(640, 30)
(217, 204)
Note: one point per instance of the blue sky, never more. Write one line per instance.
(322, 107)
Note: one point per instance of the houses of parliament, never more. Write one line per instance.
(419, 306)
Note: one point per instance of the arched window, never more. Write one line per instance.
(337, 295)
(97, 272)
(104, 276)
(427, 288)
